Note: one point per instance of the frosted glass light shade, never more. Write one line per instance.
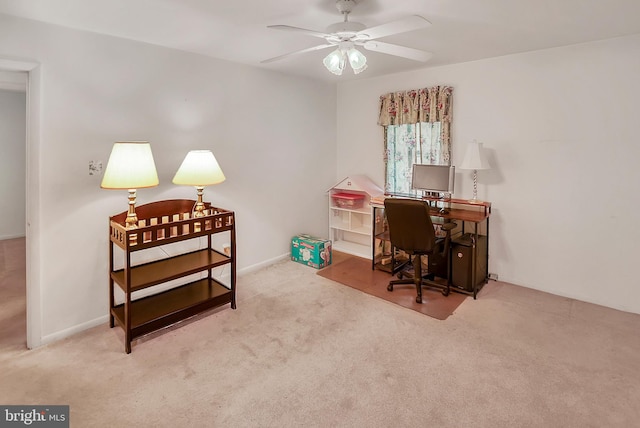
(199, 168)
(130, 166)
(474, 157)
(334, 62)
(357, 60)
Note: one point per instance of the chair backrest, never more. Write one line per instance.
(410, 226)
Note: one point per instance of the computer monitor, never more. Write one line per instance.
(433, 178)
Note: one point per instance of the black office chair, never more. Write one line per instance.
(411, 230)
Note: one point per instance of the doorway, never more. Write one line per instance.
(13, 128)
(31, 71)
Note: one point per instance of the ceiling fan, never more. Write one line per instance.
(347, 35)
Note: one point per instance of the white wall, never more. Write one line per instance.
(273, 135)
(560, 128)
(13, 113)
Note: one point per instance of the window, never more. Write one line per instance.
(416, 130)
(408, 144)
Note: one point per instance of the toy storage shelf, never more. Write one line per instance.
(350, 215)
(162, 223)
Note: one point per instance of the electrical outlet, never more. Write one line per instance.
(493, 276)
(95, 167)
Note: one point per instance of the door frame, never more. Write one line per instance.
(32, 197)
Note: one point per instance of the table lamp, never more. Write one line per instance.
(199, 168)
(474, 159)
(130, 167)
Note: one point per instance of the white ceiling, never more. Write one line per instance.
(235, 30)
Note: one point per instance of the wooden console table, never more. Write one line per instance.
(473, 227)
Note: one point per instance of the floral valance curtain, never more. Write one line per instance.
(416, 105)
(416, 125)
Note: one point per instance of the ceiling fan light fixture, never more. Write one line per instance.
(347, 34)
(335, 62)
(357, 60)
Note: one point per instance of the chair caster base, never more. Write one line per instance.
(389, 287)
(445, 292)
(419, 300)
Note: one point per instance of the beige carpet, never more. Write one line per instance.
(356, 272)
(304, 351)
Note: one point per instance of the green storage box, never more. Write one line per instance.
(311, 251)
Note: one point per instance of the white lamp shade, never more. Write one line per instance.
(199, 168)
(474, 158)
(130, 166)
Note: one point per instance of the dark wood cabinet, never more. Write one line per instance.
(160, 224)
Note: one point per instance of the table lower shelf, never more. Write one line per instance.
(164, 309)
(159, 271)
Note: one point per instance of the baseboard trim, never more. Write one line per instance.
(63, 334)
(258, 266)
(6, 237)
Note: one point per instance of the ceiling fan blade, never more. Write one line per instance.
(410, 23)
(315, 48)
(397, 50)
(299, 30)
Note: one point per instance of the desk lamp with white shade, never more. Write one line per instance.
(199, 168)
(130, 167)
(475, 160)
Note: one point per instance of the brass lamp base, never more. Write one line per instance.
(131, 222)
(198, 209)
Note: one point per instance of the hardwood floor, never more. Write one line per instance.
(13, 302)
(356, 272)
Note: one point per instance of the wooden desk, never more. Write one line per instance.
(468, 215)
